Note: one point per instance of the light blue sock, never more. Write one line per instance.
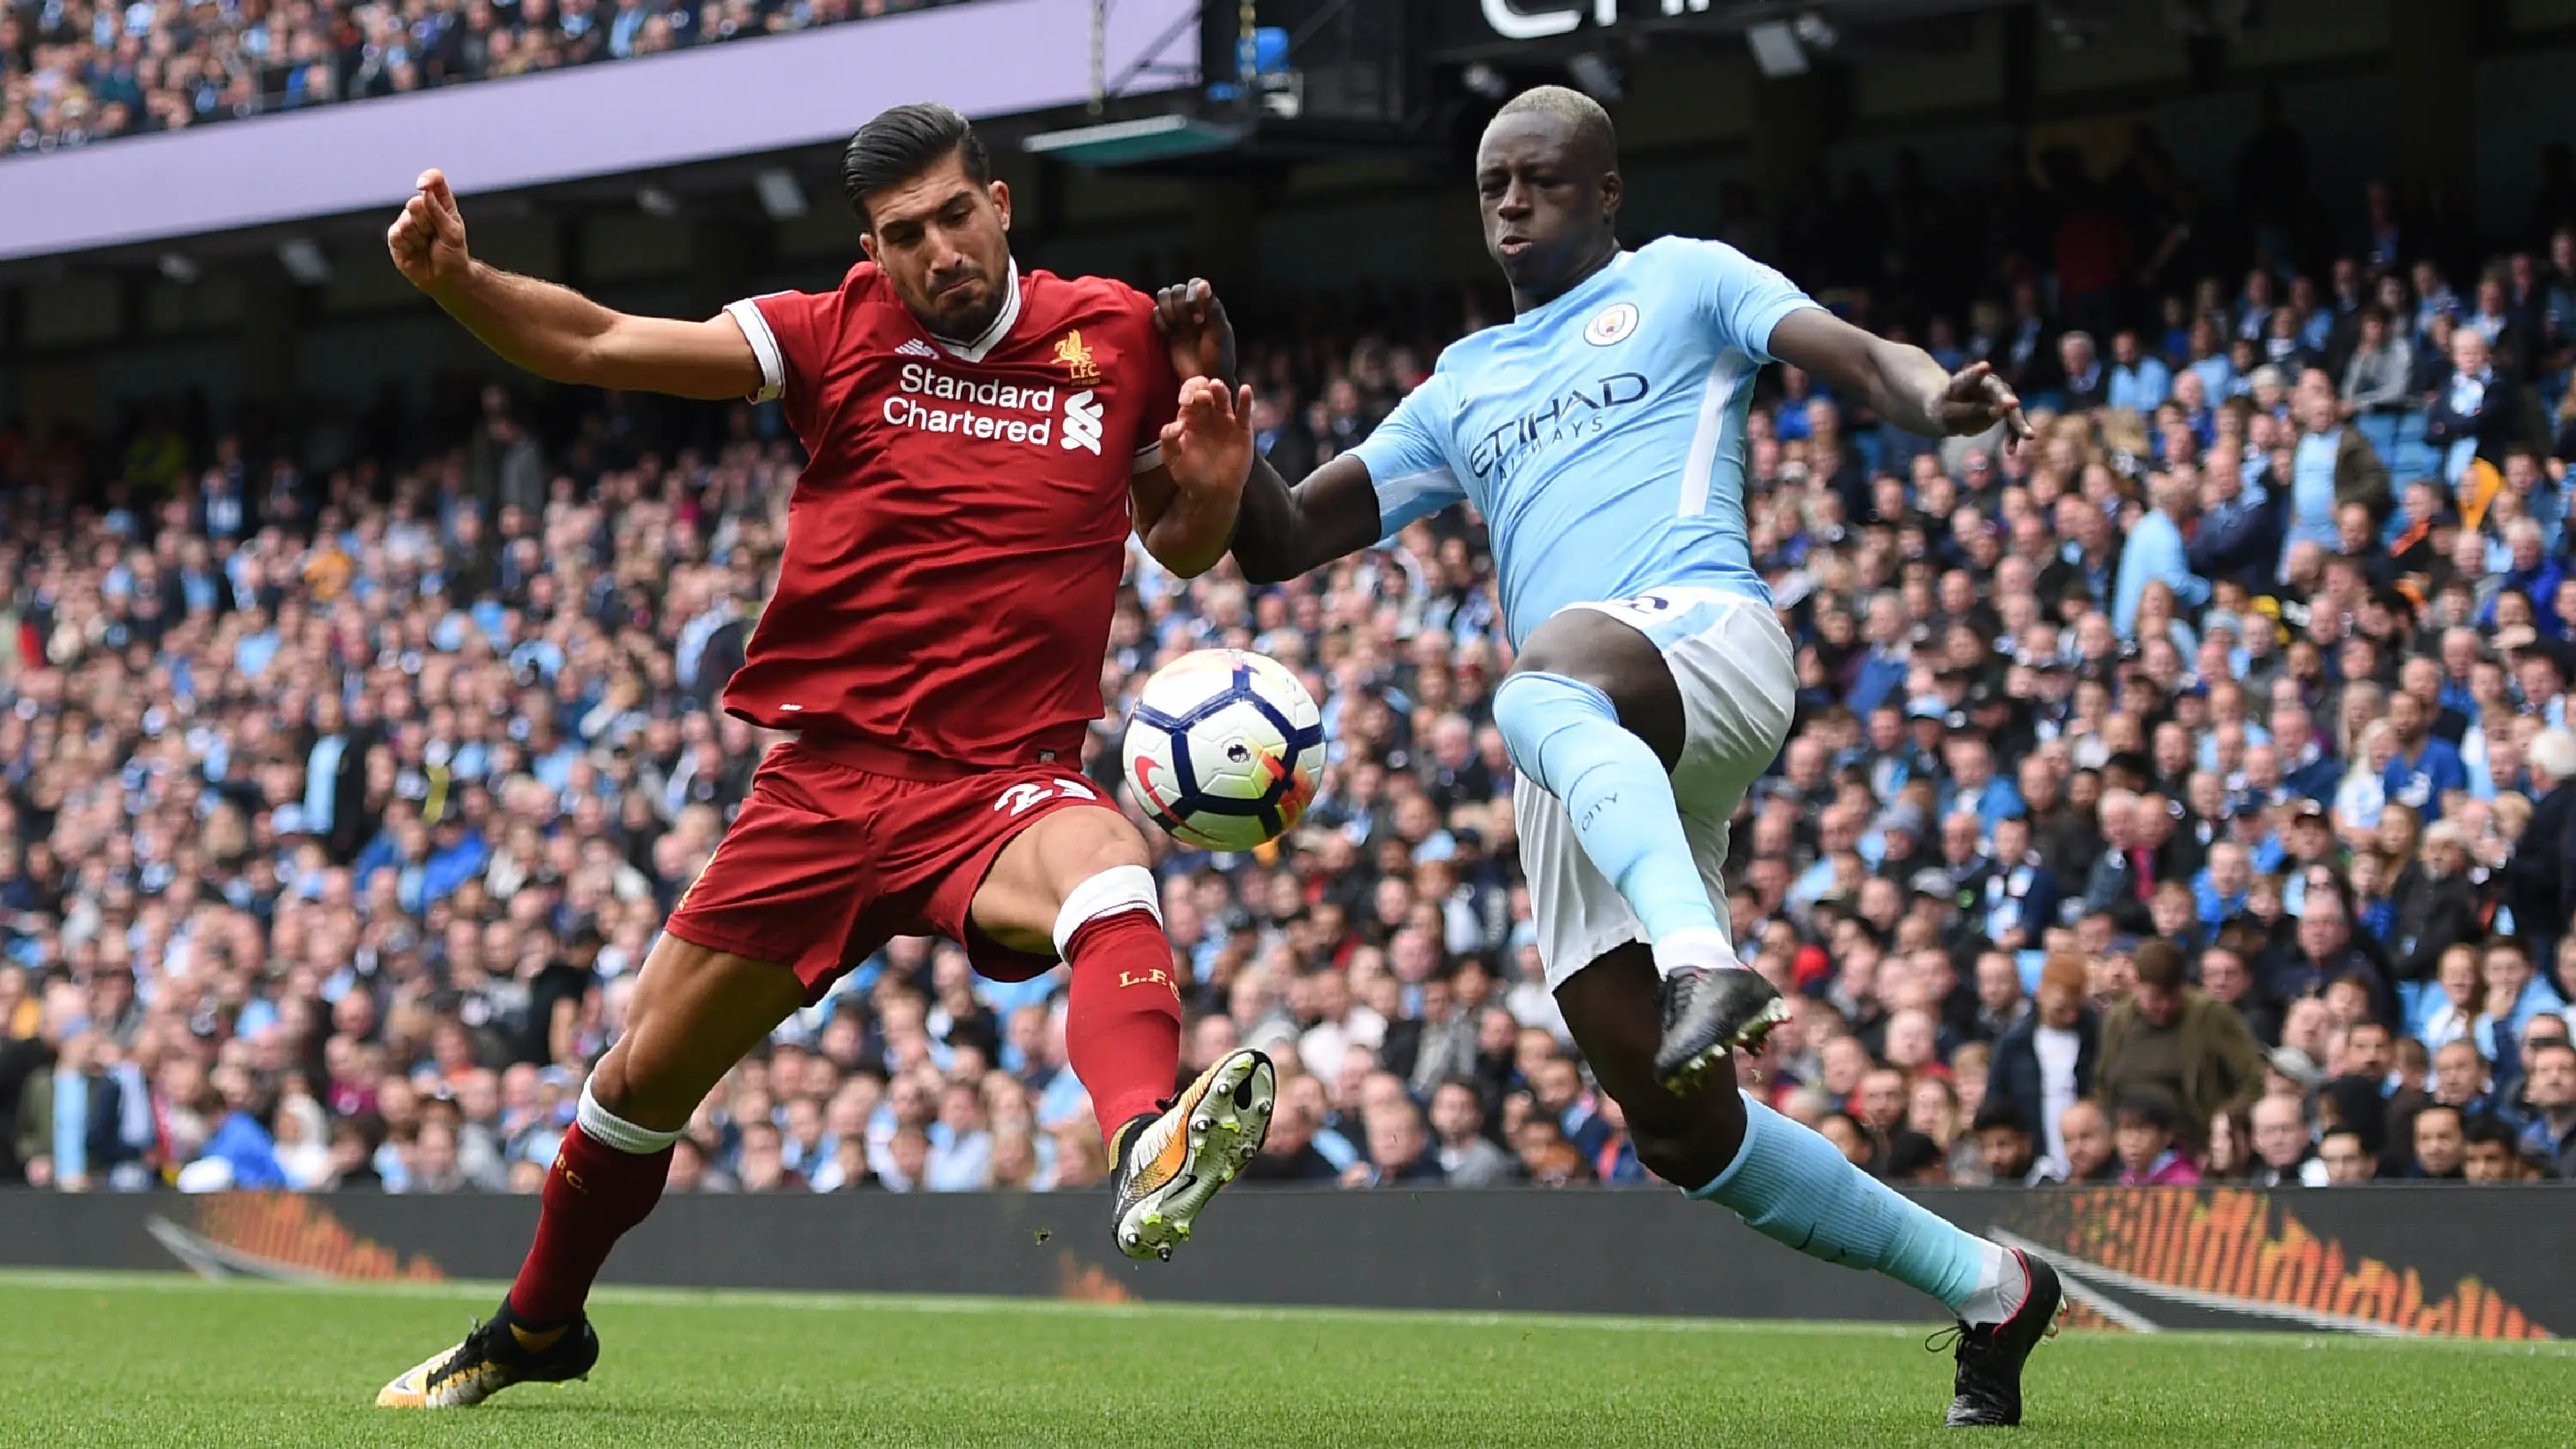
(1790, 1184)
(1565, 735)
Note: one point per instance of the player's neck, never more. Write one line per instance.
(1527, 302)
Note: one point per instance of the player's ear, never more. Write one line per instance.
(1611, 190)
(868, 243)
(1002, 201)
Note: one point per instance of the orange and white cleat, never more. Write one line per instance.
(1171, 1164)
(489, 1360)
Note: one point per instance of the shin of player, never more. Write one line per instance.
(1171, 1147)
(1123, 1012)
(607, 1177)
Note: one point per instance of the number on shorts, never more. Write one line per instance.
(1022, 798)
(1645, 608)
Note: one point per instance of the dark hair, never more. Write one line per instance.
(2484, 1128)
(1998, 1112)
(2151, 1107)
(904, 142)
(2159, 965)
(1909, 1153)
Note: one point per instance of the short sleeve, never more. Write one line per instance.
(790, 332)
(1408, 461)
(1741, 299)
(1157, 385)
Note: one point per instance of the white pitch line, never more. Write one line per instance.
(82, 1280)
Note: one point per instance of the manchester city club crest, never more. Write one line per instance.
(1613, 325)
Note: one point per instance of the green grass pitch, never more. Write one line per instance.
(168, 1361)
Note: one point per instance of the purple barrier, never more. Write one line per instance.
(996, 58)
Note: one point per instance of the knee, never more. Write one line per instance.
(634, 1091)
(1688, 1143)
(1675, 1159)
(1081, 844)
(1534, 704)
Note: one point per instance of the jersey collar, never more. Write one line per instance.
(1571, 297)
(991, 336)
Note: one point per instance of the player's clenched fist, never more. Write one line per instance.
(1194, 325)
(428, 239)
(1207, 446)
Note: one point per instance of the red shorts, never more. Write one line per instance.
(831, 857)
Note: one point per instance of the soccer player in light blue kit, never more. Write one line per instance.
(1601, 435)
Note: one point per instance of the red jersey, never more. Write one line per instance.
(955, 546)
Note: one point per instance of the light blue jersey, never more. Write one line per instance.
(1602, 435)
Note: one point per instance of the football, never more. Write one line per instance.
(1224, 749)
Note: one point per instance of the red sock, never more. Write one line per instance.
(593, 1195)
(1122, 1024)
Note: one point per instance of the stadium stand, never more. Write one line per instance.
(80, 72)
(2168, 795)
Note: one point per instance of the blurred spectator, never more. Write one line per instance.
(2476, 412)
(1466, 1157)
(2090, 1152)
(1399, 1154)
(1291, 1155)
(2003, 1145)
(2347, 1160)
(2284, 1153)
(2144, 1139)
(2489, 1155)
(2551, 1094)
(2230, 1156)
(2170, 1043)
(2050, 1058)
(2441, 1144)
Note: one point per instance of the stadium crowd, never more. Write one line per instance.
(73, 72)
(2185, 796)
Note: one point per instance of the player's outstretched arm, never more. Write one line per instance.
(1282, 532)
(1903, 384)
(1215, 492)
(555, 332)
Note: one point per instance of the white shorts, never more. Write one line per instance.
(1739, 682)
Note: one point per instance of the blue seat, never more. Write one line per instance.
(2381, 430)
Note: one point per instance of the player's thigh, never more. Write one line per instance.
(1614, 656)
(1019, 896)
(695, 1012)
(795, 873)
(1735, 673)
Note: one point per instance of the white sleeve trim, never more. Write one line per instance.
(1149, 457)
(1760, 347)
(764, 345)
(1401, 500)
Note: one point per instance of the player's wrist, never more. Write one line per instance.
(452, 284)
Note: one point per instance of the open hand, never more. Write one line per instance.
(1193, 322)
(1976, 400)
(1207, 448)
(428, 239)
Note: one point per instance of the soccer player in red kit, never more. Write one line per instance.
(982, 440)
